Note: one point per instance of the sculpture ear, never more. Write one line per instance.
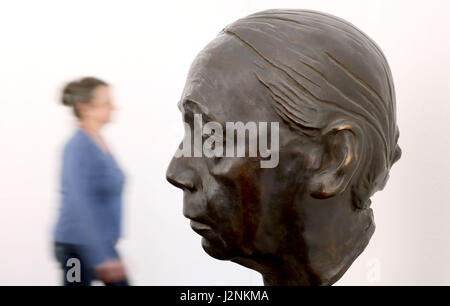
(338, 164)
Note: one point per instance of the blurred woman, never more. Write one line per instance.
(88, 225)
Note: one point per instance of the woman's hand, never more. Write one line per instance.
(110, 271)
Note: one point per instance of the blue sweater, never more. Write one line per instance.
(91, 199)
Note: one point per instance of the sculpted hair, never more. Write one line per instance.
(80, 91)
(320, 69)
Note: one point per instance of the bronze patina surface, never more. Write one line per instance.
(329, 87)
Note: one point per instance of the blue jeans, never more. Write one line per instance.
(65, 251)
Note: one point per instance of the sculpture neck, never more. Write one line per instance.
(318, 259)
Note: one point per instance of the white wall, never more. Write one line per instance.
(144, 49)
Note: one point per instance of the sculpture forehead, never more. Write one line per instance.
(222, 80)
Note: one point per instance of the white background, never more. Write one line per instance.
(144, 49)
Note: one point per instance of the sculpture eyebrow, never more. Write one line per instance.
(194, 107)
(181, 104)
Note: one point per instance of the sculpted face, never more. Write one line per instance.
(226, 197)
(305, 219)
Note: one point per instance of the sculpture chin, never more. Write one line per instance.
(215, 250)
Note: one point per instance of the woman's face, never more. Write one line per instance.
(100, 107)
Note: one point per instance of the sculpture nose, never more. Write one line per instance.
(180, 176)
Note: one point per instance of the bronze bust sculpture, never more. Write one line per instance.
(329, 89)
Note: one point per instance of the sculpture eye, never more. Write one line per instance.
(215, 139)
(214, 136)
(206, 135)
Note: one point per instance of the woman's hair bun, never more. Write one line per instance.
(67, 95)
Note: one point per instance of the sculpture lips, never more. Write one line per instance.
(199, 227)
(203, 229)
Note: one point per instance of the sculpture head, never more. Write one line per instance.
(329, 88)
